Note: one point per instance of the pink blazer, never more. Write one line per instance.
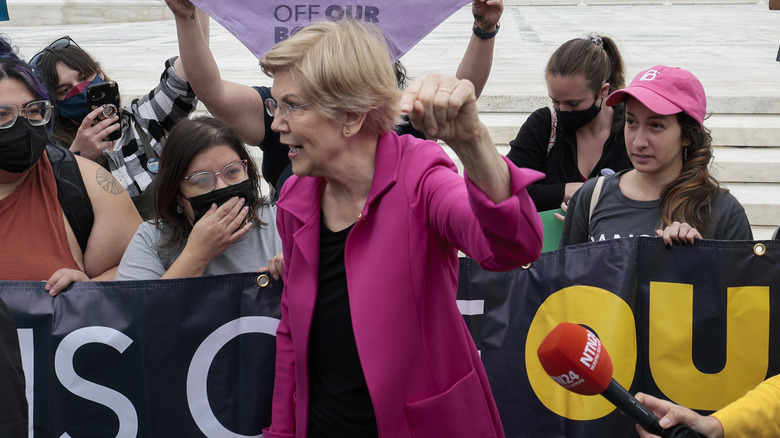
(423, 371)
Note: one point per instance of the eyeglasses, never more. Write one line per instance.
(204, 181)
(58, 44)
(284, 109)
(38, 113)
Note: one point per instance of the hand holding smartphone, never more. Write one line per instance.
(105, 94)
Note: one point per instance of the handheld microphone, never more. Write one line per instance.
(575, 358)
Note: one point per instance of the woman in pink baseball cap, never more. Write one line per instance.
(670, 192)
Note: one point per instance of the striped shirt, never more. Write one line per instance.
(156, 113)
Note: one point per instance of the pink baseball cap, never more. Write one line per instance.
(666, 90)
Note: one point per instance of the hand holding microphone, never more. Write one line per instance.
(576, 359)
(673, 414)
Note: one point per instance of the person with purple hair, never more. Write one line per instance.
(40, 240)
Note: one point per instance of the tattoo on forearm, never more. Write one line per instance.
(107, 182)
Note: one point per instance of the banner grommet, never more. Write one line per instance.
(759, 249)
(263, 280)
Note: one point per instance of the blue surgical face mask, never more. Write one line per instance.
(75, 107)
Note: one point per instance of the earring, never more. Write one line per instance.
(685, 154)
(346, 132)
(179, 209)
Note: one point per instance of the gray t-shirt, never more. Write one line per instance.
(145, 260)
(616, 216)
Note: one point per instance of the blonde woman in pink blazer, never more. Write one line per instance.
(371, 342)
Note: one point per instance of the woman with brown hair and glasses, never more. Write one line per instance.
(209, 216)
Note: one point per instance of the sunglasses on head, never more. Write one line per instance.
(58, 44)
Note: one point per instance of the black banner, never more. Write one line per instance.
(165, 358)
(195, 357)
(699, 325)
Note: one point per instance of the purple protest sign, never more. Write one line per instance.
(260, 24)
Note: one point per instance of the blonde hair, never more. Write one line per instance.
(344, 67)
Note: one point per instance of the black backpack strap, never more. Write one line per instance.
(72, 193)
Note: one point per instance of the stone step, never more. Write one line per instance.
(757, 133)
(730, 165)
(746, 165)
(761, 130)
(745, 130)
(763, 232)
(759, 196)
(719, 101)
(761, 201)
(57, 12)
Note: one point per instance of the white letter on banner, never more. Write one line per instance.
(63, 366)
(471, 307)
(197, 393)
(27, 347)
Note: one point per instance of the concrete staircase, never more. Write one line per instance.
(54, 12)
(731, 45)
(747, 155)
(64, 12)
(734, 60)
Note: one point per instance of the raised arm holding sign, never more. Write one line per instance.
(240, 106)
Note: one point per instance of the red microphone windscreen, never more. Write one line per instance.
(575, 358)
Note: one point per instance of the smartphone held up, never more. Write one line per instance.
(105, 94)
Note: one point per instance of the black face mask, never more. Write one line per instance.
(21, 145)
(202, 203)
(580, 118)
